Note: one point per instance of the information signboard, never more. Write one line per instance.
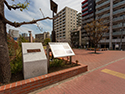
(61, 49)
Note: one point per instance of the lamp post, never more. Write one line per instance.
(54, 7)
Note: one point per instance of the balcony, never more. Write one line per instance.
(85, 8)
(84, 4)
(118, 4)
(113, 40)
(118, 26)
(86, 21)
(104, 16)
(103, 10)
(87, 16)
(118, 33)
(119, 11)
(119, 19)
(98, 1)
(103, 4)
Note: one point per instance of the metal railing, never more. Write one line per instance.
(105, 9)
(119, 4)
(118, 11)
(104, 3)
(118, 18)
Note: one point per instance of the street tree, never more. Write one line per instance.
(46, 41)
(5, 70)
(95, 31)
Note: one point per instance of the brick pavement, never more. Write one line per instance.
(95, 81)
(95, 60)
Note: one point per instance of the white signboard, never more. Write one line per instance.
(61, 49)
(34, 60)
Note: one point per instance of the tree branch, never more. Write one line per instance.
(11, 7)
(16, 24)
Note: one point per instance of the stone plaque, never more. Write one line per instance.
(34, 60)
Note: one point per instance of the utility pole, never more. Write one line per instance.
(111, 18)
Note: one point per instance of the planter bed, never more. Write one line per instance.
(32, 84)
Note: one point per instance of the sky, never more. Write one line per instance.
(33, 12)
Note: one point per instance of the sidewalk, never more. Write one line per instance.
(95, 60)
(96, 80)
(107, 80)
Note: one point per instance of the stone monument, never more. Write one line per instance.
(34, 60)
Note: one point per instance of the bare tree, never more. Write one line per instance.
(5, 70)
(95, 31)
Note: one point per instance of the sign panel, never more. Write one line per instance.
(53, 6)
(61, 49)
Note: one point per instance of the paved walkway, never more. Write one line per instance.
(95, 60)
(106, 80)
(106, 75)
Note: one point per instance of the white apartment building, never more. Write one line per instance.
(66, 22)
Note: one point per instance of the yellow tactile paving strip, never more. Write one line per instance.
(114, 73)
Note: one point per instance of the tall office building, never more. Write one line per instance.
(114, 12)
(65, 23)
(88, 15)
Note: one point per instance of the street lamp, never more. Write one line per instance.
(54, 7)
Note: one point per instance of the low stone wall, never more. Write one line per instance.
(29, 85)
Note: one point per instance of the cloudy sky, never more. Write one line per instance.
(33, 12)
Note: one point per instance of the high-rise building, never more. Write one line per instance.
(42, 37)
(114, 12)
(79, 19)
(76, 37)
(66, 22)
(24, 35)
(27, 37)
(14, 33)
(88, 15)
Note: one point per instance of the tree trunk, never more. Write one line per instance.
(95, 49)
(5, 70)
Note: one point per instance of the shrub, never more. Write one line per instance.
(56, 63)
(16, 64)
(12, 46)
